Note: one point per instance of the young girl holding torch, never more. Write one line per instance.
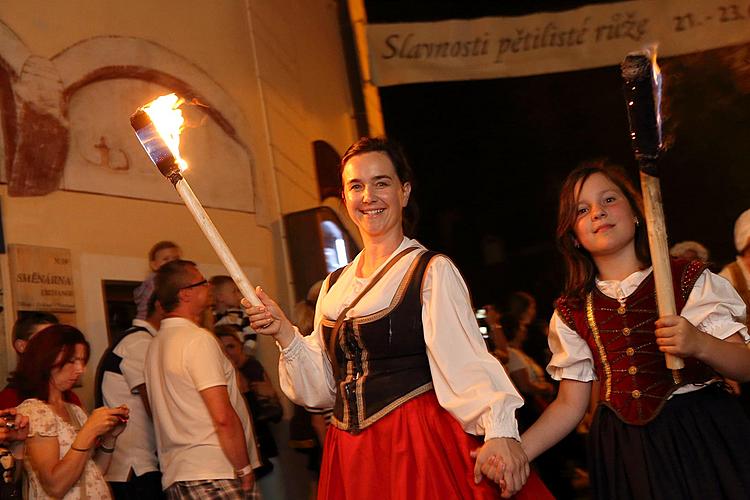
(396, 352)
(656, 433)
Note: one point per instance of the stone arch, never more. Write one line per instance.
(115, 57)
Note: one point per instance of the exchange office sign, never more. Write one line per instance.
(41, 278)
(583, 38)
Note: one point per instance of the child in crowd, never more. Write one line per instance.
(161, 253)
(227, 310)
(656, 433)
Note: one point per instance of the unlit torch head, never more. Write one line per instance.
(155, 147)
(641, 98)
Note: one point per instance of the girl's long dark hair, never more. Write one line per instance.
(39, 359)
(580, 268)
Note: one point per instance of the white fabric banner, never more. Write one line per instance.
(587, 37)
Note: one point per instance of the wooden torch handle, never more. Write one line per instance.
(657, 239)
(217, 242)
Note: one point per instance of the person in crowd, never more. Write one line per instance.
(497, 342)
(561, 464)
(264, 404)
(161, 253)
(134, 471)
(307, 429)
(606, 327)
(397, 353)
(14, 429)
(517, 314)
(204, 434)
(67, 451)
(228, 311)
(689, 250)
(738, 274)
(28, 324)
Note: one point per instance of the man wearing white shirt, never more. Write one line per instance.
(134, 470)
(203, 429)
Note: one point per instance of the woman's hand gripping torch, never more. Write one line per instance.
(158, 125)
(642, 90)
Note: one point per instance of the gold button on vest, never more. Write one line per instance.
(626, 331)
(636, 394)
(629, 351)
(633, 370)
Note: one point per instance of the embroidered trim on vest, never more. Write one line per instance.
(599, 345)
(565, 313)
(366, 422)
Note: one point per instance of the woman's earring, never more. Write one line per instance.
(576, 243)
(636, 221)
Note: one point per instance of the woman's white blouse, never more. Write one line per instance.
(469, 383)
(713, 306)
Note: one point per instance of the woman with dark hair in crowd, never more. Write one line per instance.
(28, 324)
(397, 353)
(655, 433)
(67, 451)
(517, 313)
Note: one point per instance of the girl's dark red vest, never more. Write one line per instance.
(634, 380)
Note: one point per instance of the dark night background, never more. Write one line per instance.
(490, 155)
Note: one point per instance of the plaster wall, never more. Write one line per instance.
(280, 62)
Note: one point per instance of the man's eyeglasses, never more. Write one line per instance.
(200, 283)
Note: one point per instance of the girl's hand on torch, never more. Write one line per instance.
(269, 319)
(676, 335)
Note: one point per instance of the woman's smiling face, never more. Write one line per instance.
(374, 195)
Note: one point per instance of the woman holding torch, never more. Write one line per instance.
(397, 353)
(656, 433)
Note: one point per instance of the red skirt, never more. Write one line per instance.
(418, 451)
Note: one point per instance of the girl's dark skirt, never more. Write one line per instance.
(697, 447)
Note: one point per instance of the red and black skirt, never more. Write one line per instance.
(418, 451)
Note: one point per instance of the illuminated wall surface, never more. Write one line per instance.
(269, 78)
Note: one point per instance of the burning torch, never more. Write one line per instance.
(158, 125)
(642, 90)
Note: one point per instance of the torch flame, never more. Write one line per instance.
(166, 116)
(656, 75)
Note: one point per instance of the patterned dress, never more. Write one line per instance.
(43, 421)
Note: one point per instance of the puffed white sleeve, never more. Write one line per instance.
(469, 382)
(571, 355)
(715, 307)
(305, 373)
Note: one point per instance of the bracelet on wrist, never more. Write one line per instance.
(245, 471)
(105, 449)
(82, 450)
